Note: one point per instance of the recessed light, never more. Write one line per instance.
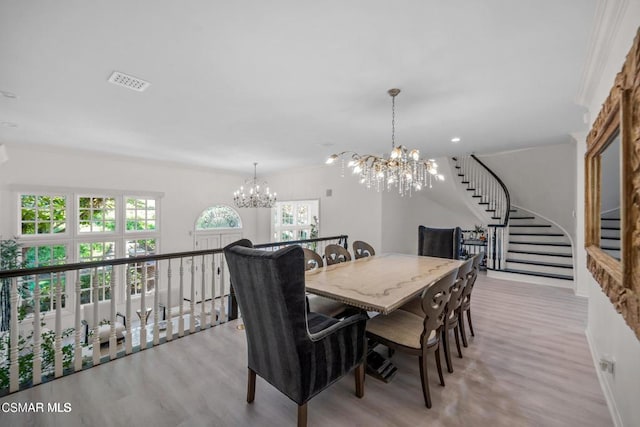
(9, 124)
(455, 139)
(8, 94)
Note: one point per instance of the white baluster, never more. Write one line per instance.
(37, 349)
(192, 319)
(181, 319)
(223, 293)
(203, 313)
(143, 309)
(58, 339)
(96, 336)
(214, 319)
(14, 380)
(168, 314)
(77, 358)
(129, 274)
(113, 341)
(156, 305)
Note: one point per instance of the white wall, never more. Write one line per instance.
(540, 179)
(351, 209)
(607, 331)
(187, 190)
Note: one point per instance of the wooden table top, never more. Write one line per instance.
(379, 283)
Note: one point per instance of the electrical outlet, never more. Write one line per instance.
(607, 364)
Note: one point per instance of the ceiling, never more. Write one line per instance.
(285, 83)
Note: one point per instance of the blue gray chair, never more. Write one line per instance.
(440, 242)
(298, 353)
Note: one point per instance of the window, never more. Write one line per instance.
(42, 256)
(140, 273)
(295, 220)
(42, 214)
(96, 214)
(218, 216)
(95, 251)
(140, 214)
(58, 227)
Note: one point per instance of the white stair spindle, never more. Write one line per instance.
(181, 319)
(37, 349)
(77, 356)
(129, 274)
(203, 311)
(113, 341)
(96, 336)
(143, 308)
(192, 319)
(156, 304)
(14, 372)
(168, 315)
(223, 291)
(58, 337)
(214, 319)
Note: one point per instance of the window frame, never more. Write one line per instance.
(276, 212)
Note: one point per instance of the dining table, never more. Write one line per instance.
(380, 283)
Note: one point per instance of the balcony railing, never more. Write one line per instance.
(191, 292)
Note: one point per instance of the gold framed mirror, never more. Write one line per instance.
(612, 193)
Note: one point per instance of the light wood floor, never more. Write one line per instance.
(529, 365)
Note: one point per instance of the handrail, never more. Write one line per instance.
(504, 187)
(19, 272)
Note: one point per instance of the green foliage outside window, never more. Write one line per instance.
(43, 214)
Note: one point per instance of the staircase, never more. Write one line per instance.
(522, 245)
(538, 248)
(610, 233)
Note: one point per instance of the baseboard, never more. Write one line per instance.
(547, 281)
(608, 394)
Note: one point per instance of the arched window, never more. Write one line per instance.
(219, 216)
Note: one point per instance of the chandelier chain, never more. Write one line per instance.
(393, 121)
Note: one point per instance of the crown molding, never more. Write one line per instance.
(606, 24)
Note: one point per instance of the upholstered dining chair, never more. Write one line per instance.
(454, 312)
(439, 242)
(465, 305)
(335, 254)
(300, 353)
(418, 335)
(362, 249)
(317, 303)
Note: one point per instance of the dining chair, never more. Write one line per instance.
(417, 335)
(440, 242)
(335, 254)
(300, 353)
(317, 303)
(362, 249)
(453, 312)
(465, 306)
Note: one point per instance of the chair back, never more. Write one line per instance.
(311, 260)
(473, 275)
(269, 287)
(434, 302)
(459, 286)
(104, 312)
(335, 254)
(362, 249)
(440, 242)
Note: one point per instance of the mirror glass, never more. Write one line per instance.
(610, 191)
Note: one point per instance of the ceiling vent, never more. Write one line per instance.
(130, 82)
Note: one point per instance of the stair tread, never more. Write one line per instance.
(610, 228)
(471, 189)
(541, 263)
(490, 210)
(531, 225)
(495, 217)
(477, 196)
(483, 203)
(611, 248)
(536, 234)
(523, 217)
(465, 182)
(516, 251)
(542, 244)
(609, 219)
(539, 274)
(609, 238)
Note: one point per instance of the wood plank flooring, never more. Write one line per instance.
(529, 365)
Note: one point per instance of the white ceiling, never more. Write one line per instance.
(285, 83)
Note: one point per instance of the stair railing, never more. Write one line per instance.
(493, 194)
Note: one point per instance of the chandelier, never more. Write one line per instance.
(404, 169)
(256, 197)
